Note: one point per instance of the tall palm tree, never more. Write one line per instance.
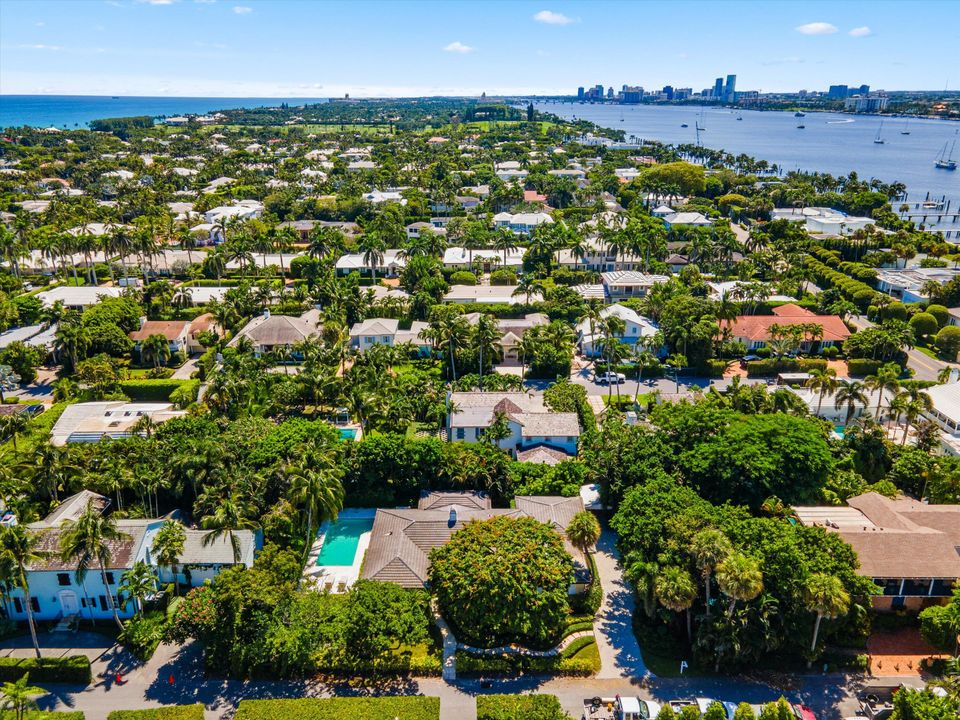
(851, 393)
(315, 484)
(157, 348)
(886, 380)
(234, 512)
(485, 337)
(87, 540)
(20, 548)
(167, 548)
(710, 548)
(676, 591)
(739, 578)
(583, 531)
(373, 249)
(825, 595)
(505, 241)
(823, 382)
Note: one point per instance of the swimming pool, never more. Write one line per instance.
(341, 540)
(348, 433)
(840, 430)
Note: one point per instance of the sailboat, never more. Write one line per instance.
(800, 126)
(905, 130)
(739, 118)
(879, 140)
(945, 161)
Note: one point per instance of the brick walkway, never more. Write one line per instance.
(898, 653)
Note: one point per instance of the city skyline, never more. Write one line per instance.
(236, 48)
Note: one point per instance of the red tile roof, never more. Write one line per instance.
(170, 329)
(757, 327)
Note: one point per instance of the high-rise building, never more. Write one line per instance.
(668, 91)
(730, 89)
(864, 90)
(682, 93)
(579, 93)
(631, 94)
(598, 91)
(610, 92)
(718, 88)
(838, 92)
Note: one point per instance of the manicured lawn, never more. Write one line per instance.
(37, 431)
(519, 707)
(173, 712)
(359, 708)
(926, 351)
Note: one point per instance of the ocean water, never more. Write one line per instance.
(830, 142)
(75, 111)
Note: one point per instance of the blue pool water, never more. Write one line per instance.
(840, 430)
(348, 433)
(341, 540)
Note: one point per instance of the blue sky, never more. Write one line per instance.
(251, 48)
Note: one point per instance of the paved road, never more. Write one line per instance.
(924, 367)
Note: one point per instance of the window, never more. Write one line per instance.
(918, 586)
(460, 434)
(941, 588)
(891, 586)
(35, 604)
(103, 602)
(110, 580)
(63, 579)
(17, 605)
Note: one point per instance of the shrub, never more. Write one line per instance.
(171, 712)
(463, 277)
(940, 625)
(863, 366)
(186, 393)
(151, 390)
(71, 669)
(766, 368)
(924, 324)
(941, 313)
(503, 276)
(142, 634)
(948, 340)
(583, 663)
(519, 707)
(715, 368)
(341, 708)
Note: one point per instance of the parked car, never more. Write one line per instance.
(619, 707)
(613, 378)
(748, 358)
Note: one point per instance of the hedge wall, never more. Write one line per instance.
(150, 390)
(519, 707)
(863, 366)
(72, 669)
(766, 368)
(580, 659)
(356, 708)
(171, 712)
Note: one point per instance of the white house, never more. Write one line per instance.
(378, 197)
(488, 294)
(394, 260)
(907, 284)
(241, 210)
(687, 219)
(529, 421)
(77, 298)
(386, 331)
(636, 329)
(268, 332)
(521, 223)
(91, 421)
(487, 258)
(829, 409)
(623, 284)
(823, 220)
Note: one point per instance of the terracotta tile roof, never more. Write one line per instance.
(542, 455)
(437, 500)
(170, 329)
(757, 327)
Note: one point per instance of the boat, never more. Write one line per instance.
(946, 161)
(906, 127)
(801, 126)
(879, 140)
(739, 118)
(684, 125)
(799, 114)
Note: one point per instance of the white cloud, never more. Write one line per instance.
(40, 24)
(861, 31)
(157, 2)
(40, 46)
(242, 9)
(458, 47)
(548, 17)
(817, 28)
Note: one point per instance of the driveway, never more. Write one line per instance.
(620, 655)
(59, 644)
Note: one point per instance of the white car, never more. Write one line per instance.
(613, 378)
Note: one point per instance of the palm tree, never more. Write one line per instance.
(88, 540)
(167, 548)
(528, 285)
(823, 382)
(852, 394)
(739, 578)
(504, 241)
(138, 582)
(710, 548)
(825, 595)
(643, 576)
(886, 380)
(676, 591)
(485, 337)
(20, 548)
(945, 374)
(234, 512)
(157, 348)
(18, 696)
(373, 249)
(583, 531)
(315, 483)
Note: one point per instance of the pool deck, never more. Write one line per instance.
(337, 578)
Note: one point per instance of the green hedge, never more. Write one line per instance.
(766, 368)
(519, 707)
(580, 659)
(863, 366)
(151, 390)
(72, 669)
(171, 712)
(185, 394)
(357, 708)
